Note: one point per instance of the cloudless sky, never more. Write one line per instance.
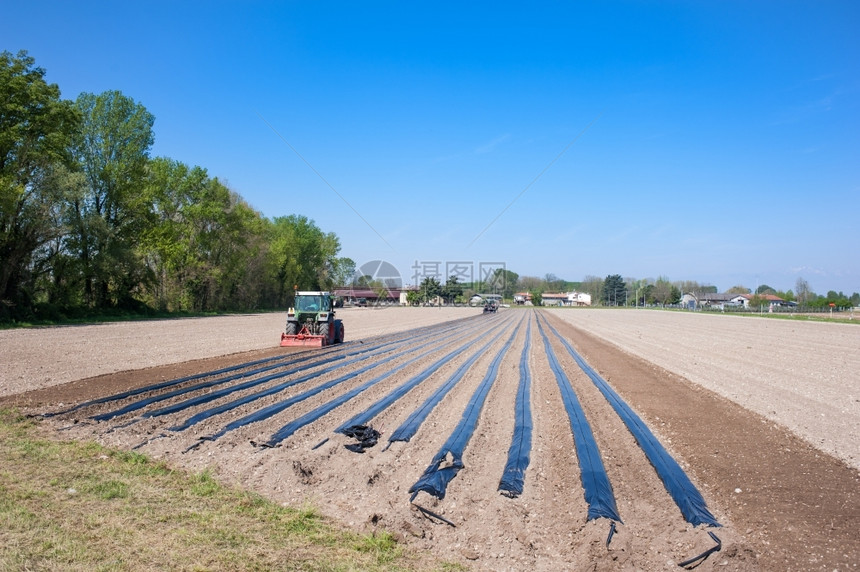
(708, 141)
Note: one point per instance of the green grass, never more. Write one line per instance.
(79, 506)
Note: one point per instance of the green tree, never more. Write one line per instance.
(167, 241)
(788, 295)
(614, 290)
(738, 289)
(35, 130)
(662, 291)
(646, 294)
(674, 295)
(533, 285)
(342, 271)
(300, 253)
(429, 289)
(204, 247)
(112, 148)
(693, 287)
(502, 281)
(764, 289)
(413, 297)
(553, 283)
(452, 290)
(230, 250)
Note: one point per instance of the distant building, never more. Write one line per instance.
(566, 299)
(724, 300)
(771, 300)
(373, 297)
(522, 297)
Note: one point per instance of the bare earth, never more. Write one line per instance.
(764, 416)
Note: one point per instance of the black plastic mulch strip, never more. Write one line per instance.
(436, 477)
(323, 358)
(137, 405)
(142, 403)
(172, 382)
(677, 483)
(276, 408)
(290, 428)
(595, 481)
(409, 427)
(519, 453)
(201, 399)
(290, 359)
(365, 416)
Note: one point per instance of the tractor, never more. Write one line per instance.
(311, 323)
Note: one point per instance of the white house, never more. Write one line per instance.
(566, 299)
(578, 299)
(770, 299)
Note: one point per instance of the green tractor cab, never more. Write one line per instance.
(311, 322)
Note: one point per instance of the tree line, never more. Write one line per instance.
(91, 223)
(615, 290)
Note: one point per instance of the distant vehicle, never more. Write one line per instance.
(491, 306)
(361, 302)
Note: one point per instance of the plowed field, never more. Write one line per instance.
(785, 494)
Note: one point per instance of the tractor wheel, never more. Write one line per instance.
(292, 328)
(324, 330)
(338, 332)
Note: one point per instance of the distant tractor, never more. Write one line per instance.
(311, 323)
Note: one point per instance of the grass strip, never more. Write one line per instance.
(67, 505)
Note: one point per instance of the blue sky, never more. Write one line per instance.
(708, 141)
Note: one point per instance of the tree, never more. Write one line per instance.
(168, 239)
(342, 271)
(662, 292)
(738, 290)
(35, 130)
(693, 287)
(452, 290)
(593, 286)
(803, 292)
(363, 281)
(413, 297)
(502, 281)
(788, 295)
(299, 252)
(647, 294)
(429, 289)
(764, 289)
(112, 148)
(553, 283)
(614, 290)
(674, 295)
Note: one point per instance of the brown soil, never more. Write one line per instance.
(783, 503)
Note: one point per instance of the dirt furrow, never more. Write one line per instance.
(783, 504)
